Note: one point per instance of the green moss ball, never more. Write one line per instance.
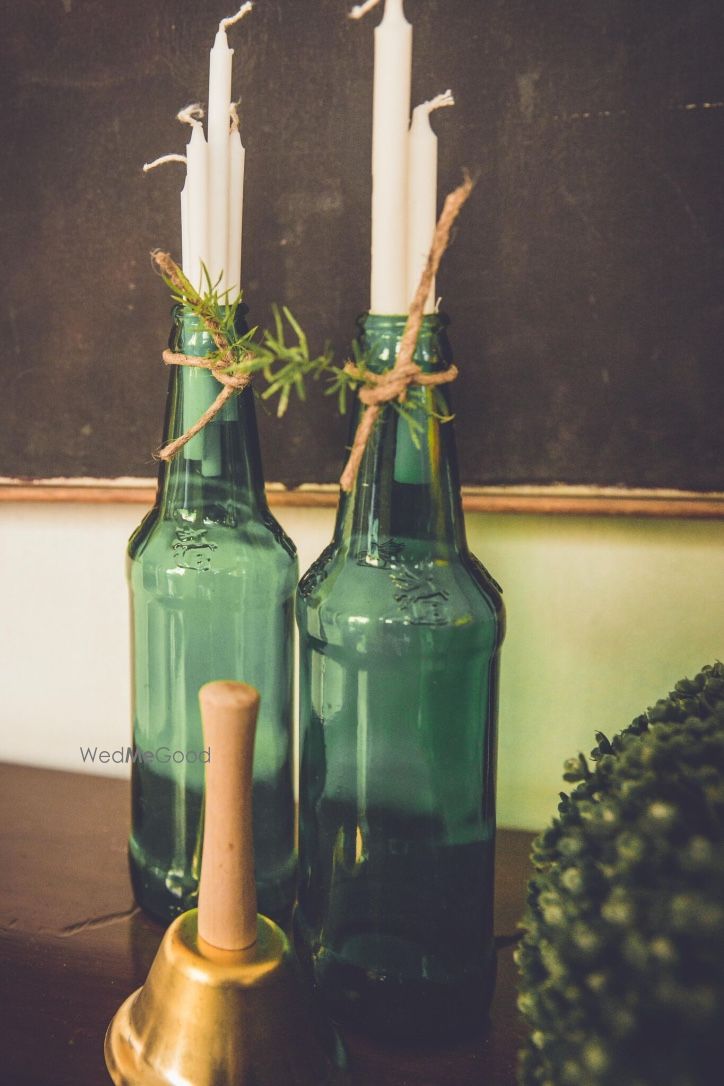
(622, 960)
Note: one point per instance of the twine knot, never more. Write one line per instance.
(231, 382)
(382, 388)
(216, 366)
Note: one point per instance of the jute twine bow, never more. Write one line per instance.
(231, 384)
(382, 388)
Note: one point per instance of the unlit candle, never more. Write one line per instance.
(422, 194)
(391, 118)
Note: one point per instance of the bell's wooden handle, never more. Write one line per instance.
(227, 890)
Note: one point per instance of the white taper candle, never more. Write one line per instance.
(237, 155)
(391, 118)
(194, 224)
(185, 229)
(196, 202)
(422, 194)
(218, 129)
(220, 62)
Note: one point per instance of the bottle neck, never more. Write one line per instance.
(217, 476)
(407, 492)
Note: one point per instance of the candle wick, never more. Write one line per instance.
(361, 9)
(440, 101)
(234, 115)
(231, 19)
(192, 115)
(162, 161)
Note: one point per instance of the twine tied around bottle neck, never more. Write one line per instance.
(379, 389)
(231, 383)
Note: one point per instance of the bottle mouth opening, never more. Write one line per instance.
(396, 322)
(179, 313)
(187, 326)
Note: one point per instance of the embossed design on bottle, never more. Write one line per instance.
(192, 549)
(420, 599)
(386, 554)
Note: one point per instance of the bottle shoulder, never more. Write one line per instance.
(486, 582)
(401, 590)
(233, 545)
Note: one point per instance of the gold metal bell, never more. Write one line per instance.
(223, 1004)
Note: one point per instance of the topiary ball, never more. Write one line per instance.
(622, 959)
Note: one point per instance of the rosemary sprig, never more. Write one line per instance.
(284, 365)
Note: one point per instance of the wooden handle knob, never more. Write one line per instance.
(227, 891)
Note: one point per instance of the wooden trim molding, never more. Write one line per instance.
(541, 500)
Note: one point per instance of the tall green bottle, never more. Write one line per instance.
(400, 630)
(212, 578)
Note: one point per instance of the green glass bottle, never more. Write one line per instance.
(212, 578)
(400, 631)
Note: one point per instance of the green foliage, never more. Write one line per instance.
(622, 961)
(341, 381)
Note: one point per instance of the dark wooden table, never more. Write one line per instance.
(73, 946)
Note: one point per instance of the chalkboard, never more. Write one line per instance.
(585, 284)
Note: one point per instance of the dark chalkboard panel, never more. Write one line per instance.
(585, 284)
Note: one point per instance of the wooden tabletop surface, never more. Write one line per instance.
(73, 945)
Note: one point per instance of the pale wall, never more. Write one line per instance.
(603, 616)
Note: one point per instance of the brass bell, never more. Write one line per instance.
(223, 1004)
